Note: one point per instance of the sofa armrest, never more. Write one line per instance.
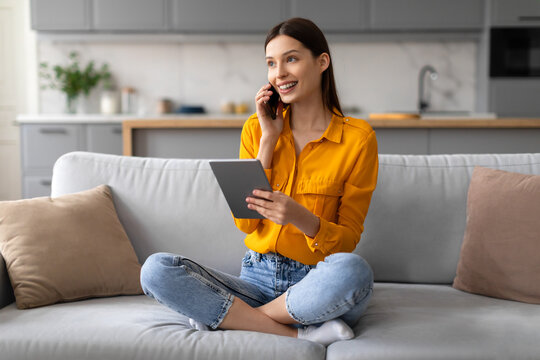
(6, 291)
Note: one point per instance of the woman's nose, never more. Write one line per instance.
(281, 70)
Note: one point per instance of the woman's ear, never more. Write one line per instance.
(324, 62)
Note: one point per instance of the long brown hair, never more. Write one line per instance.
(311, 37)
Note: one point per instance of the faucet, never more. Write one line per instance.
(423, 102)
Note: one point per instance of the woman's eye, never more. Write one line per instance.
(270, 63)
(291, 59)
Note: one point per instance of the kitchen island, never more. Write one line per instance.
(219, 137)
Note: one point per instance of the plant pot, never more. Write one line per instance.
(83, 104)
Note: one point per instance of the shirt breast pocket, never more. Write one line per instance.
(321, 197)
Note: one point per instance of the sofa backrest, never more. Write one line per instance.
(165, 205)
(417, 216)
(413, 230)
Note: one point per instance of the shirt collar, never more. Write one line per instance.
(333, 132)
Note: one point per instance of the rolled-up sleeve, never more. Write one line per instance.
(344, 235)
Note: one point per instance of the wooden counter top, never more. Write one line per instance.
(235, 122)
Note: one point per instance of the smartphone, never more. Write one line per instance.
(272, 104)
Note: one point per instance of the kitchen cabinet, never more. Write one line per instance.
(62, 15)
(515, 13)
(43, 144)
(137, 15)
(514, 97)
(256, 16)
(104, 138)
(337, 15)
(204, 16)
(426, 14)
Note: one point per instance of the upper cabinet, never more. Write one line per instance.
(136, 15)
(426, 14)
(230, 16)
(337, 15)
(257, 16)
(71, 15)
(515, 13)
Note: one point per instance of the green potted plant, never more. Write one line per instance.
(72, 80)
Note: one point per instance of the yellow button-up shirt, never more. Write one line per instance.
(334, 177)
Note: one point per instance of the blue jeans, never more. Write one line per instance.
(339, 286)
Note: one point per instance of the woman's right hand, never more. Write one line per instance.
(270, 128)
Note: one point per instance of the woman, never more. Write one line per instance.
(299, 272)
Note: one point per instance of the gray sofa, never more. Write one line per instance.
(412, 240)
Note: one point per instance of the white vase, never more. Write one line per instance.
(109, 102)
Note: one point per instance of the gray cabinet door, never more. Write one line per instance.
(138, 15)
(337, 15)
(515, 97)
(515, 12)
(226, 16)
(104, 138)
(43, 144)
(60, 14)
(36, 186)
(426, 14)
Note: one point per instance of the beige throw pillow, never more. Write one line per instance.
(67, 248)
(500, 254)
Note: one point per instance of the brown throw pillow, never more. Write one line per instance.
(500, 254)
(67, 248)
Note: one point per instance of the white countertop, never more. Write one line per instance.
(100, 118)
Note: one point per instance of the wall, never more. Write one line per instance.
(18, 93)
(372, 76)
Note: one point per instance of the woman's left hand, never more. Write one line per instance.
(282, 209)
(275, 206)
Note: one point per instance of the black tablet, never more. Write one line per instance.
(237, 179)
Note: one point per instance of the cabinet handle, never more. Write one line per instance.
(53, 131)
(117, 130)
(45, 182)
(529, 18)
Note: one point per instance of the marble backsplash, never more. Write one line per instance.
(371, 76)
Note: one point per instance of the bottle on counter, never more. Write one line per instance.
(129, 98)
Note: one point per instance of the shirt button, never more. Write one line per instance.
(277, 185)
(316, 244)
(346, 119)
(339, 191)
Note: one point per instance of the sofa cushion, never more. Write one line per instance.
(500, 255)
(430, 322)
(66, 248)
(132, 327)
(417, 217)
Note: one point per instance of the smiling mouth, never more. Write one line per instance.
(288, 85)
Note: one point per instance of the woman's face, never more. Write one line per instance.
(293, 70)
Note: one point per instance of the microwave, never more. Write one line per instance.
(514, 52)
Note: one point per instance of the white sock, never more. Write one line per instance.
(198, 325)
(327, 333)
